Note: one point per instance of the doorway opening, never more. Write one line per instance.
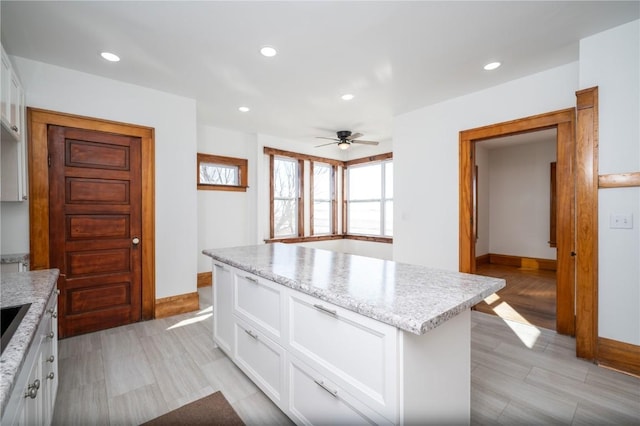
(515, 232)
(563, 123)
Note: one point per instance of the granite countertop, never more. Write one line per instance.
(19, 288)
(410, 297)
(15, 258)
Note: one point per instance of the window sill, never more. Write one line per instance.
(223, 188)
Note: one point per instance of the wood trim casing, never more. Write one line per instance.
(564, 122)
(205, 279)
(37, 121)
(243, 172)
(619, 355)
(619, 180)
(586, 191)
(175, 305)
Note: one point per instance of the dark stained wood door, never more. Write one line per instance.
(95, 227)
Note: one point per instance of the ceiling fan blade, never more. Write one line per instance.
(366, 142)
(354, 136)
(325, 144)
(331, 139)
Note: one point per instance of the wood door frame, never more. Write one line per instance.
(564, 122)
(38, 121)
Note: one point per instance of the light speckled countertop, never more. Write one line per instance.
(18, 288)
(409, 297)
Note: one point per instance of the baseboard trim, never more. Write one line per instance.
(620, 356)
(523, 262)
(205, 279)
(483, 260)
(174, 305)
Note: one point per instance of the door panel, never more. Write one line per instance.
(94, 202)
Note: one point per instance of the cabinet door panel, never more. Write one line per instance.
(259, 302)
(334, 339)
(314, 399)
(223, 307)
(261, 359)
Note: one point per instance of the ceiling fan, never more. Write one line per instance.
(345, 139)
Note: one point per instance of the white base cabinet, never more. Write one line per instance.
(34, 394)
(323, 364)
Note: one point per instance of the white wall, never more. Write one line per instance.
(226, 218)
(425, 156)
(611, 61)
(519, 199)
(174, 120)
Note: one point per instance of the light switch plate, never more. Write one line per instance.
(621, 221)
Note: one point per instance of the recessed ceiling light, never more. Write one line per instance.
(268, 51)
(244, 109)
(492, 66)
(347, 97)
(111, 57)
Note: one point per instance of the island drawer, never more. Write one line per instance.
(357, 353)
(262, 360)
(260, 303)
(315, 399)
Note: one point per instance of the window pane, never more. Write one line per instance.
(285, 178)
(388, 218)
(321, 182)
(364, 182)
(388, 180)
(364, 218)
(218, 174)
(285, 217)
(321, 217)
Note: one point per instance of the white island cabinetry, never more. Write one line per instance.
(333, 347)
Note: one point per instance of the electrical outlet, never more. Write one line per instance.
(621, 221)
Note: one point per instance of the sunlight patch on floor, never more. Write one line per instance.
(189, 321)
(526, 332)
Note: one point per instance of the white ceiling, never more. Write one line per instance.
(393, 56)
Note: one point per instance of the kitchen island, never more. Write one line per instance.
(31, 353)
(334, 337)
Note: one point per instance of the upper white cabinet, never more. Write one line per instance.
(12, 99)
(14, 145)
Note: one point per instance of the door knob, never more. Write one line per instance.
(135, 241)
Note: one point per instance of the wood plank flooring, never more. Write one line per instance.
(519, 375)
(530, 295)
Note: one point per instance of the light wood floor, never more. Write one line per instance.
(519, 374)
(530, 295)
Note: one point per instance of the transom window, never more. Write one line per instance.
(216, 172)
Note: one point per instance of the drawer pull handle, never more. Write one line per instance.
(253, 280)
(252, 334)
(326, 310)
(14, 128)
(51, 358)
(334, 393)
(32, 390)
(222, 268)
(51, 335)
(51, 375)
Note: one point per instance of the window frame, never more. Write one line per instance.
(241, 164)
(333, 205)
(299, 197)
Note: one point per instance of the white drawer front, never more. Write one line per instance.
(357, 352)
(260, 302)
(261, 359)
(316, 400)
(223, 307)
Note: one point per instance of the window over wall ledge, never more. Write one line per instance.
(218, 173)
(312, 238)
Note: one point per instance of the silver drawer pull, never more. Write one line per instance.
(327, 310)
(222, 267)
(32, 390)
(51, 375)
(334, 393)
(51, 335)
(51, 358)
(253, 280)
(252, 334)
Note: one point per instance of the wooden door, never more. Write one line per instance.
(95, 227)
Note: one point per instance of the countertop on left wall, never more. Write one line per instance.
(19, 288)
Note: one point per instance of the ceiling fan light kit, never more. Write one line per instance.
(345, 138)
